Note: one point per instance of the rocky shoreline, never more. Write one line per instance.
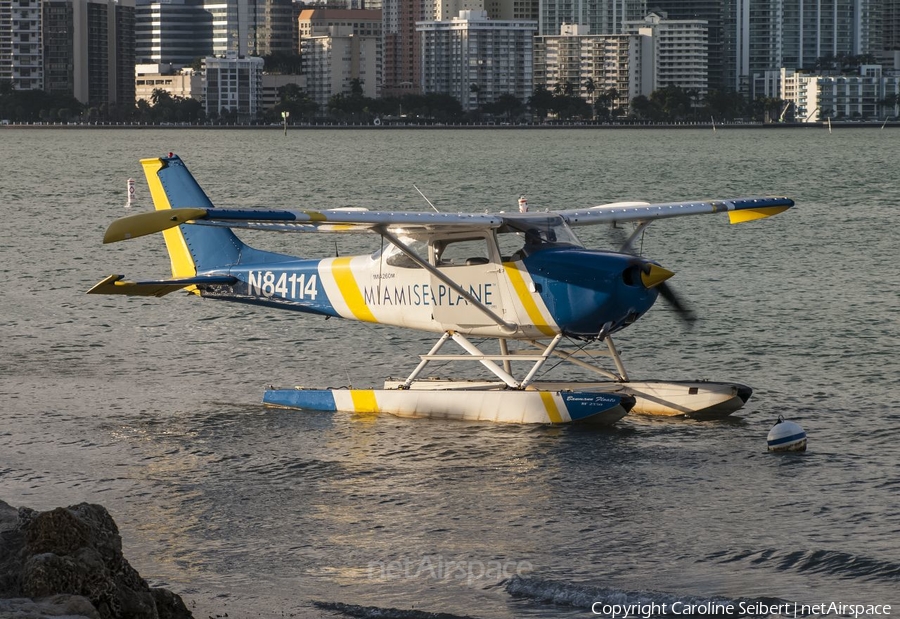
(68, 562)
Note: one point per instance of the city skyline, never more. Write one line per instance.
(90, 48)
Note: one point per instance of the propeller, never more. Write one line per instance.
(681, 308)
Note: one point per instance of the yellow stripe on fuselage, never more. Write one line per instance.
(528, 302)
(346, 283)
(550, 405)
(182, 262)
(364, 401)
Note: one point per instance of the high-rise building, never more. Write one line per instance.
(332, 61)
(815, 97)
(233, 85)
(20, 44)
(272, 27)
(179, 31)
(401, 45)
(89, 50)
(715, 13)
(526, 9)
(890, 24)
(315, 22)
(601, 16)
(477, 59)
(794, 34)
(401, 49)
(589, 65)
(173, 32)
(674, 53)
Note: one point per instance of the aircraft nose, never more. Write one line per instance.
(653, 275)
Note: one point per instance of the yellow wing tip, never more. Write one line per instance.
(752, 214)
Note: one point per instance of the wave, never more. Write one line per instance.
(374, 612)
(640, 604)
(834, 563)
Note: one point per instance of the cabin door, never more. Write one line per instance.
(468, 263)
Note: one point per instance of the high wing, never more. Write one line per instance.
(360, 220)
(739, 210)
(336, 220)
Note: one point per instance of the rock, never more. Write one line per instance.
(70, 561)
(57, 606)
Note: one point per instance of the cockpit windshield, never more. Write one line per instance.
(522, 236)
(395, 257)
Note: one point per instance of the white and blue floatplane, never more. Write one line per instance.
(522, 281)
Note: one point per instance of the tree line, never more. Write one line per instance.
(670, 104)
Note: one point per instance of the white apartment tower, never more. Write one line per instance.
(589, 65)
(21, 54)
(815, 97)
(476, 59)
(233, 85)
(332, 61)
(674, 53)
(601, 16)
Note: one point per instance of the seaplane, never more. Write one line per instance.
(508, 292)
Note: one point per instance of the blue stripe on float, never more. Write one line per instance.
(787, 439)
(584, 404)
(309, 399)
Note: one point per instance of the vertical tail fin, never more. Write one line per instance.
(191, 248)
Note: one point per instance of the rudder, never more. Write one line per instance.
(191, 248)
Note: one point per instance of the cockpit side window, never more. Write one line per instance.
(461, 252)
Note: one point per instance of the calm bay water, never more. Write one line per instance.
(152, 406)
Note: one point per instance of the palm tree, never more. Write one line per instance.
(475, 88)
(590, 88)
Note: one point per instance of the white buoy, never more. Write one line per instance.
(130, 201)
(786, 436)
(523, 205)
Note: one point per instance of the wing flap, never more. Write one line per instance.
(344, 220)
(116, 284)
(337, 220)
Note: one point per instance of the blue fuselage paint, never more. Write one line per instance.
(290, 283)
(582, 289)
(585, 289)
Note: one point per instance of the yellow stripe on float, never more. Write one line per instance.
(550, 405)
(182, 262)
(346, 283)
(364, 401)
(528, 302)
(750, 214)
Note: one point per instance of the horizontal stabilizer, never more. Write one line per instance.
(114, 284)
(143, 224)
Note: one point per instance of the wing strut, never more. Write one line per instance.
(465, 294)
